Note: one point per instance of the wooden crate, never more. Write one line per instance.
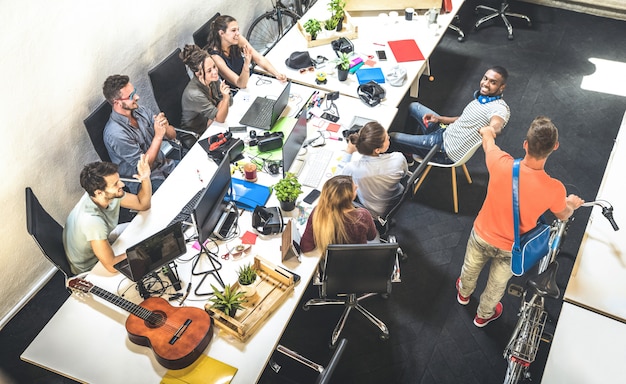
(274, 284)
(377, 5)
(350, 31)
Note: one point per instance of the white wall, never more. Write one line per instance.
(54, 57)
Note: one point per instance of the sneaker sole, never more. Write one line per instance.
(479, 325)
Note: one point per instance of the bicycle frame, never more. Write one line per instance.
(523, 345)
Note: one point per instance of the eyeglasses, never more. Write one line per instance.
(262, 81)
(305, 70)
(131, 96)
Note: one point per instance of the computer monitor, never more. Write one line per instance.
(294, 141)
(207, 212)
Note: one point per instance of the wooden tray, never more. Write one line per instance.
(274, 284)
(349, 31)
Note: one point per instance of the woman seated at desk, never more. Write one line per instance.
(205, 99)
(233, 54)
(377, 174)
(335, 220)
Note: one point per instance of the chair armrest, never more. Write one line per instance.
(194, 134)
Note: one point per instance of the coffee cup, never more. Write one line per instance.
(393, 14)
(409, 13)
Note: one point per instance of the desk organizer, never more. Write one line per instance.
(274, 284)
(350, 31)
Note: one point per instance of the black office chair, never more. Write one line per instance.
(503, 13)
(201, 36)
(352, 273)
(95, 123)
(457, 29)
(47, 233)
(169, 79)
(324, 373)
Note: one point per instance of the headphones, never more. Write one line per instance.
(371, 93)
(485, 99)
(267, 221)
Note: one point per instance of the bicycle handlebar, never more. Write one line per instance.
(607, 211)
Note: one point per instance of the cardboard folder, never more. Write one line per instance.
(405, 50)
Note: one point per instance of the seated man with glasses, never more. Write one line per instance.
(133, 130)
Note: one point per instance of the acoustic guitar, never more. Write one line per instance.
(177, 336)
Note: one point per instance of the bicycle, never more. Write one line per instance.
(522, 348)
(268, 28)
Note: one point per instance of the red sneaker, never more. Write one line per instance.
(480, 322)
(462, 300)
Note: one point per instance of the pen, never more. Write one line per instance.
(199, 176)
(379, 44)
(335, 138)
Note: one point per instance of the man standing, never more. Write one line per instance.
(492, 235)
(90, 224)
(132, 130)
(459, 134)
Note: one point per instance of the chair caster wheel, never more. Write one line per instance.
(384, 295)
(332, 346)
(384, 337)
(510, 37)
(305, 307)
(460, 39)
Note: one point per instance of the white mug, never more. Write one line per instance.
(409, 13)
(393, 14)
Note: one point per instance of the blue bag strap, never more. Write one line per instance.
(516, 245)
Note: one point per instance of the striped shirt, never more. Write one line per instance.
(460, 136)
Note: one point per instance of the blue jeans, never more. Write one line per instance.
(421, 143)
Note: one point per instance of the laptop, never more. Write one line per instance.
(264, 112)
(153, 252)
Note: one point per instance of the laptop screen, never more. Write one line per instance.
(281, 103)
(294, 141)
(156, 251)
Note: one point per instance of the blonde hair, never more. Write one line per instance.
(330, 214)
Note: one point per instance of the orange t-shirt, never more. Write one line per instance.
(538, 192)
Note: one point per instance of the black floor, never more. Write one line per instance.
(433, 339)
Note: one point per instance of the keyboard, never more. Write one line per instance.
(185, 212)
(260, 114)
(313, 170)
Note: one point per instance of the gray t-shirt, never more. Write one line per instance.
(199, 104)
(88, 222)
(378, 179)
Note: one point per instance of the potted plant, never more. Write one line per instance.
(336, 7)
(343, 65)
(287, 191)
(246, 277)
(228, 301)
(312, 27)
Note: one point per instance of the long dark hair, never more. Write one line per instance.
(215, 40)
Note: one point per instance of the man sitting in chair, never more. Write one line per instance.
(133, 129)
(459, 134)
(90, 225)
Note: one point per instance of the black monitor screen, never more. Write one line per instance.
(156, 251)
(211, 205)
(294, 142)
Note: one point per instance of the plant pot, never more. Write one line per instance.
(248, 290)
(231, 313)
(342, 74)
(288, 206)
(340, 24)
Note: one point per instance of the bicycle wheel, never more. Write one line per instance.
(514, 372)
(268, 28)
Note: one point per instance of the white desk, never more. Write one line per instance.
(372, 30)
(588, 344)
(86, 339)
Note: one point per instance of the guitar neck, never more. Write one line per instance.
(122, 303)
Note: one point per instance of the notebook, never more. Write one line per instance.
(264, 112)
(405, 50)
(153, 252)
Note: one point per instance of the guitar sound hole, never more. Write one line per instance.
(156, 319)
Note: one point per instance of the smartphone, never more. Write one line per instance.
(312, 196)
(328, 116)
(382, 56)
(238, 129)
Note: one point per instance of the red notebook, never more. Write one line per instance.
(405, 50)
